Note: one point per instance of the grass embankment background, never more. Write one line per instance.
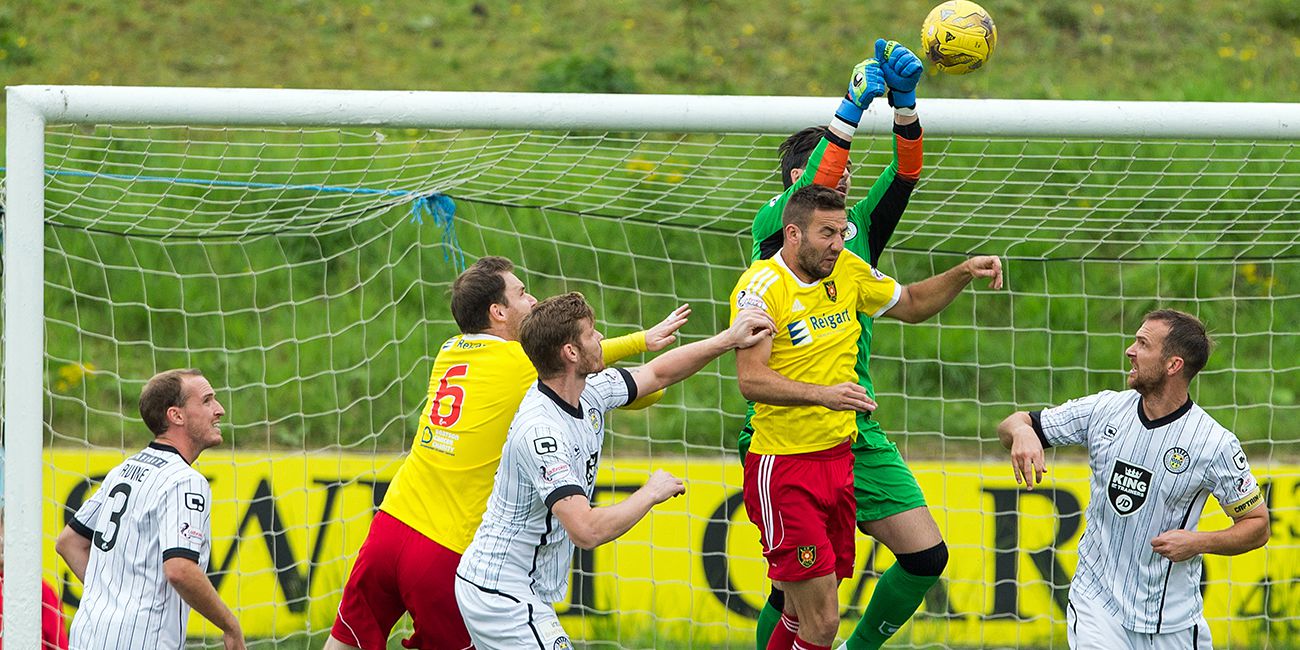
(337, 352)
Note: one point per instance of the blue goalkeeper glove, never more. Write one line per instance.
(868, 83)
(902, 71)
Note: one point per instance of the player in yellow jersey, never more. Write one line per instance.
(799, 469)
(436, 500)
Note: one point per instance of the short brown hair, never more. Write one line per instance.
(799, 209)
(163, 391)
(553, 323)
(476, 290)
(1187, 338)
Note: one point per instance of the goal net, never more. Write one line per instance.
(306, 269)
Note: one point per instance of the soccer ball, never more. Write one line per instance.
(958, 36)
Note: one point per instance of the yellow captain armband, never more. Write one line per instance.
(644, 401)
(1243, 505)
(622, 347)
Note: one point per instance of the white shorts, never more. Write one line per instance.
(1090, 627)
(508, 621)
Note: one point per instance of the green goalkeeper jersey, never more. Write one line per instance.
(871, 223)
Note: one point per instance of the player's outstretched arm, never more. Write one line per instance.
(922, 300)
(1247, 533)
(759, 383)
(879, 213)
(590, 527)
(1017, 434)
(75, 550)
(194, 586)
(654, 339)
(750, 327)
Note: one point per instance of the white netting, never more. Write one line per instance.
(293, 267)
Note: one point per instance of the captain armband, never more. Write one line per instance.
(1243, 505)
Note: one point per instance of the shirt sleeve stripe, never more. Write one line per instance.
(1036, 421)
(898, 293)
(80, 528)
(187, 553)
(561, 492)
(631, 385)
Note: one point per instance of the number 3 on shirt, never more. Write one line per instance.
(454, 396)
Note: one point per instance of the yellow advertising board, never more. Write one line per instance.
(285, 527)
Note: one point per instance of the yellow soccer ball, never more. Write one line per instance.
(958, 36)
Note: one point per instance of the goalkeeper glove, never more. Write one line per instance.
(868, 83)
(902, 71)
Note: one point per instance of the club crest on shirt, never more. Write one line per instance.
(807, 556)
(1128, 487)
(593, 416)
(561, 643)
(1177, 460)
(831, 293)
(850, 231)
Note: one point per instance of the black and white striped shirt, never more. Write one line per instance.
(150, 508)
(1148, 477)
(552, 451)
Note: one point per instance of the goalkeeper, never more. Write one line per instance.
(890, 505)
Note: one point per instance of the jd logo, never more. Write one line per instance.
(1128, 487)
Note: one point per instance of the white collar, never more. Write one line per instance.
(780, 260)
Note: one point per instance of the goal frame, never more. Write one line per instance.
(31, 108)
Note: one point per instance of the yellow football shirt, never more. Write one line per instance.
(478, 380)
(442, 487)
(816, 342)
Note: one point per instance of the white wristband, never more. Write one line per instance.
(905, 112)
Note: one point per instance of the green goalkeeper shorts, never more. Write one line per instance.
(882, 483)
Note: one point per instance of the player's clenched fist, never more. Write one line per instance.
(847, 396)
(1176, 545)
(902, 71)
(663, 486)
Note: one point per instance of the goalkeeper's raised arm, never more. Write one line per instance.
(819, 154)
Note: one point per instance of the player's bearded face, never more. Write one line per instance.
(590, 357)
(821, 243)
(1147, 359)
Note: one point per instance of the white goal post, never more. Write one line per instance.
(31, 109)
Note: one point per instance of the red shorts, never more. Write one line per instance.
(804, 508)
(399, 570)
